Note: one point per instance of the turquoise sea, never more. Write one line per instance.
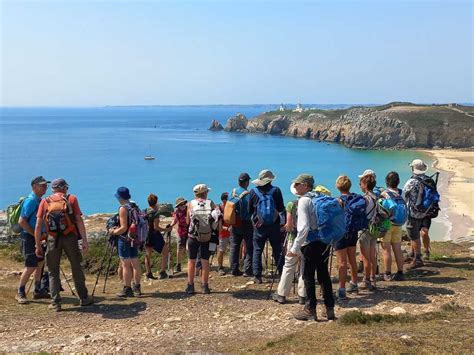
(99, 149)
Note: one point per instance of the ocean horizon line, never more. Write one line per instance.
(229, 104)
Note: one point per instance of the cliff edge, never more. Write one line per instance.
(395, 125)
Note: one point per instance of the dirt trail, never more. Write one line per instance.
(234, 317)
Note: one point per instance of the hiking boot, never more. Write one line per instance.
(86, 301)
(387, 277)
(409, 257)
(237, 273)
(41, 295)
(417, 262)
(137, 290)
(426, 256)
(398, 277)
(306, 314)
(248, 273)
(341, 294)
(55, 307)
(205, 289)
(329, 314)
(163, 275)
(221, 271)
(364, 284)
(257, 279)
(277, 298)
(353, 288)
(301, 300)
(178, 268)
(371, 286)
(190, 289)
(21, 298)
(126, 292)
(150, 276)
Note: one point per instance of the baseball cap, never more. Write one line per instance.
(58, 183)
(39, 180)
(304, 179)
(244, 177)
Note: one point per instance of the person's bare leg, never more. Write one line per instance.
(351, 256)
(25, 275)
(137, 270)
(373, 260)
(397, 251)
(425, 237)
(387, 257)
(191, 271)
(364, 252)
(205, 271)
(148, 252)
(341, 256)
(164, 258)
(127, 272)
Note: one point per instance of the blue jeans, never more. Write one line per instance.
(260, 236)
(244, 233)
(125, 250)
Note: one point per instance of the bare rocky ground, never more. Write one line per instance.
(237, 316)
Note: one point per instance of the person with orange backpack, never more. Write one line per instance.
(62, 216)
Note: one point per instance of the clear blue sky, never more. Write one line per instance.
(80, 53)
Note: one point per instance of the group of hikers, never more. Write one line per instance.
(302, 234)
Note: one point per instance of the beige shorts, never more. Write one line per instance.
(394, 235)
(366, 239)
(223, 243)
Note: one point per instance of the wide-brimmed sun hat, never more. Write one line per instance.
(264, 178)
(201, 188)
(419, 166)
(368, 172)
(180, 201)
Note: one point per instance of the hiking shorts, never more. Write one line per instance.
(28, 250)
(156, 241)
(366, 239)
(393, 235)
(349, 240)
(194, 246)
(223, 244)
(182, 239)
(125, 250)
(414, 226)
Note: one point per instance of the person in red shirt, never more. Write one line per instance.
(61, 214)
(224, 236)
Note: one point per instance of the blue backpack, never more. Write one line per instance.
(331, 220)
(266, 209)
(241, 207)
(428, 197)
(397, 208)
(355, 211)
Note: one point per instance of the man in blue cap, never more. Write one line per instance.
(27, 222)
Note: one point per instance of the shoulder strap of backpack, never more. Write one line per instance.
(258, 193)
(243, 194)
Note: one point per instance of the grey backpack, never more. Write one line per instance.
(201, 220)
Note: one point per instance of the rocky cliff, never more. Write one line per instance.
(395, 125)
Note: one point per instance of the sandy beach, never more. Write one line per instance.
(457, 191)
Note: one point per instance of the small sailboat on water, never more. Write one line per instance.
(149, 156)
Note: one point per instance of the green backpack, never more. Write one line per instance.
(13, 216)
(380, 222)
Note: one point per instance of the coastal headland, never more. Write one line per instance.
(395, 125)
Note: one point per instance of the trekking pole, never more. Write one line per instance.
(33, 279)
(101, 267)
(65, 278)
(283, 252)
(107, 271)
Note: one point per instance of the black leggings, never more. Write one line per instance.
(316, 257)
